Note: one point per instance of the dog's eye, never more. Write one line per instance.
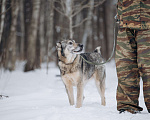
(70, 43)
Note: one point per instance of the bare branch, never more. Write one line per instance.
(88, 5)
(79, 10)
(83, 2)
(78, 5)
(57, 2)
(5, 11)
(99, 3)
(59, 11)
(81, 22)
(75, 7)
(62, 4)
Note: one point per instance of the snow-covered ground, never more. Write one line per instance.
(40, 96)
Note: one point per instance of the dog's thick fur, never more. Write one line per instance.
(76, 72)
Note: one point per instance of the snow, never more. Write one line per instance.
(39, 96)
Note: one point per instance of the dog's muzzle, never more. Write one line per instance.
(78, 49)
(81, 46)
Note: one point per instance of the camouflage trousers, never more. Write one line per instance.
(132, 63)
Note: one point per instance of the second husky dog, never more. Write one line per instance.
(76, 72)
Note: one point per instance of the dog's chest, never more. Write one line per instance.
(72, 77)
(68, 69)
(70, 73)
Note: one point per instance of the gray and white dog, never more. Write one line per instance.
(76, 72)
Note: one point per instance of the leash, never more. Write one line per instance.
(114, 46)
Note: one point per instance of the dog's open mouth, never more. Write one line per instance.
(77, 50)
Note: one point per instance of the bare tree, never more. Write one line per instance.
(41, 31)
(2, 18)
(11, 50)
(49, 28)
(71, 8)
(87, 31)
(109, 25)
(22, 27)
(67, 10)
(31, 51)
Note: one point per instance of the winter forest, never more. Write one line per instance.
(29, 29)
(30, 84)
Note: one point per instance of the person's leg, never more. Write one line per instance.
(127, 71)
(143, 44)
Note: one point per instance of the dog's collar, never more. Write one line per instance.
(68, 63)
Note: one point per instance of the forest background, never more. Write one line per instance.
(29, 29)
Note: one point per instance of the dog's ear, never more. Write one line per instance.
(58, 46)
(73, 41)
(98, 49)
(62, 50)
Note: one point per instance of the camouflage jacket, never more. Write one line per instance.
(134, 14)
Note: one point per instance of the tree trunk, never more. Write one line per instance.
(110, 25)
(11, 50)
(51, 25)
(69, 4)
(87, 31)
(41, 31)
(50, 30)
(38, 52)
(30, 65)
(2, 18)
(27, 21)
(22, 27)
(78, 30)
(105, 40)
(40, 38)
(70, 27)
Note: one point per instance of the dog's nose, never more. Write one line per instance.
(80, 45)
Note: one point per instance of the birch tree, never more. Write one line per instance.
(11, 50)
(31, 50)
(49, 28)
(21, 14)
(71, 8)
(41, 31)
(2, 18)
(88, 25)
(67, 11)
(87, 31)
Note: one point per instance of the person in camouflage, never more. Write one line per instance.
(133, 54)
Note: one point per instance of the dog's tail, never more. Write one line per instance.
(98, 49)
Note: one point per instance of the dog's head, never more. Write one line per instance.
(67, 47)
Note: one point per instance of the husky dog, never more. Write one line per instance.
(76, 72)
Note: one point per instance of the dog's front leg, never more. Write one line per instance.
(69, 90)
(79, 94)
